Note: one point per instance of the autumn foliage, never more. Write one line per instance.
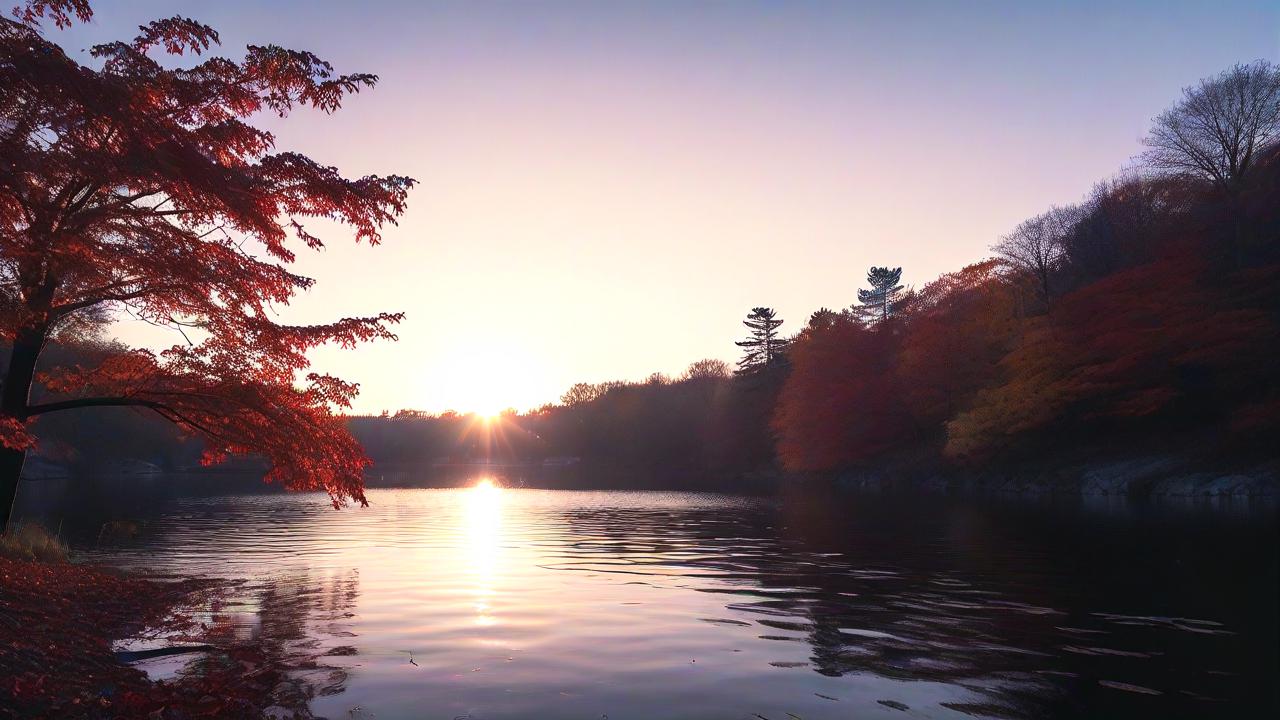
(60, 670)
(1148, 311)
(1152, 342)
(840, 402)
(59, 621)
(142, 184)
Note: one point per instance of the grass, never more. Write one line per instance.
(31, 541)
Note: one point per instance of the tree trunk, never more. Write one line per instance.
(1238, 240)
(13, 403)
(11, 462)
(1235, 206)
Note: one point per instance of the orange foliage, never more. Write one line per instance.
(958, 327)
(1171, 340)
(1143, 342)
(840, 404)
(142, 184)
(59, 624)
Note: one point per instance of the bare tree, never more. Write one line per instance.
(1220, 126)
(1119, 220)
(708, 368)
(580, 394)
(1035, 246)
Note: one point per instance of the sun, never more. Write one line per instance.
(488, 402)
(486, 379)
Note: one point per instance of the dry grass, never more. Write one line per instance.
(31, 541)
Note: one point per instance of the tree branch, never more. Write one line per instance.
(165, 410)
(96, 402)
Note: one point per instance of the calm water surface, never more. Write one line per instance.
(513, 603)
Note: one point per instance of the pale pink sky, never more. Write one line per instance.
(607, 188)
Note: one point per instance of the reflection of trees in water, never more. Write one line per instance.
(290, 627)
(858, 613)
(894, 628)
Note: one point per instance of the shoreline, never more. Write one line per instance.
(61, 624)
(1138, 477)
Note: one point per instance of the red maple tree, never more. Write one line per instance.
(841, 404)
(143, 185)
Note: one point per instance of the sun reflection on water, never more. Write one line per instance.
(483, 519)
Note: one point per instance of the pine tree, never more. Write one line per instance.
(881, 301)
(823, 318)
(763, 348)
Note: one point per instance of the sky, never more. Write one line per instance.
(607, 188)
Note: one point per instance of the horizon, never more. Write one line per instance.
(755, 359)
(568, 151)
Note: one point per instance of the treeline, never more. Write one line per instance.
(703, 429)
(1145, 316)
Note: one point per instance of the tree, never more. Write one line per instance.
(1220, 127)
(1159, 341)
(708, 368)
(1035, 247)
(763, 348)
(143, 186)
(881, 301)
(1117, 224)
(579, 393)
(841, 405)
(958, 328)
(1219, 131)
(822, 318)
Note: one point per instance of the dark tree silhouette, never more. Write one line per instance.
(1035, 247)
(1220, 127)
(764, 347)
(708, 368)
(1219, 131)
(142, 185)
(823, 318)
(580, 393)
(881, 301)
(1117, 223)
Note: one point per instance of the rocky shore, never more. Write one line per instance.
(1139, 476)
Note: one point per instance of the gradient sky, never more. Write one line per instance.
(607, 188)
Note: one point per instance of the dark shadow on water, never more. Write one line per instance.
(1038, 610)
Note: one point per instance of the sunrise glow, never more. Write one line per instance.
(530, 255)
(483, 536)
(639, 359)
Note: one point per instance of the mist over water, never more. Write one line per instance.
(492, 602)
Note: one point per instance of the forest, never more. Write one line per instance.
(1063, 452)
(1143, 316)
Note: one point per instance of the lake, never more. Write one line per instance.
(491, 602)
